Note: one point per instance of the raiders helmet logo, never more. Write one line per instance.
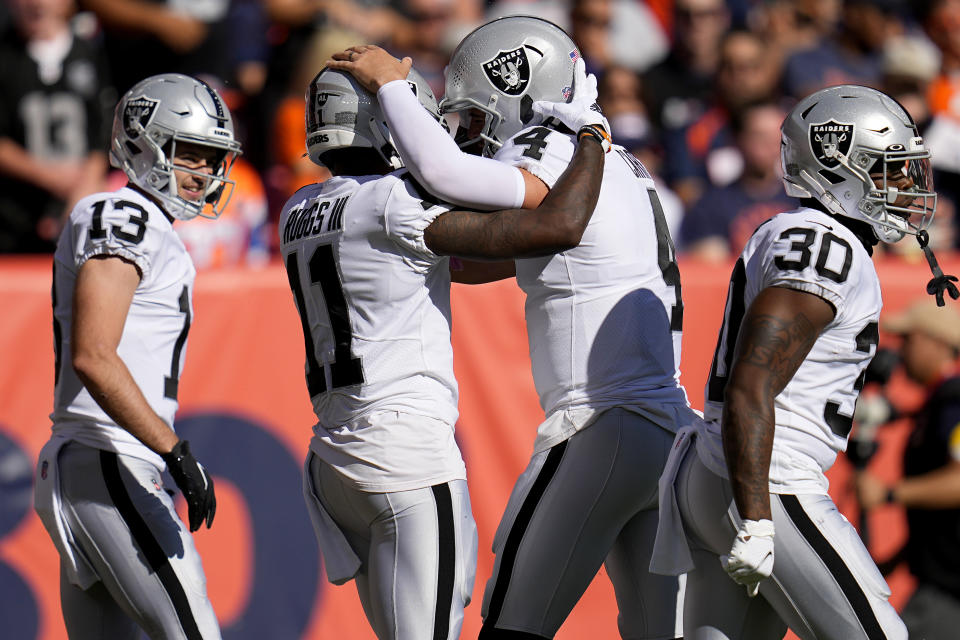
(509, 71)
(829, 139)
(138, 111)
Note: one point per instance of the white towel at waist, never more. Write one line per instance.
(339, 559)
(671, 552)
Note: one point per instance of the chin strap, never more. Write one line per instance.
(940, 282)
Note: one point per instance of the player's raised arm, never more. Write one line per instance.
(557, 224)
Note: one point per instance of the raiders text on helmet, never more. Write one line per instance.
(153, 117)
(849, 146)
(341, 113)
(502, 68)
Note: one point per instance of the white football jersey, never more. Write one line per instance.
(374, 306)
(810, 251)
(124, 223)
(604, 319)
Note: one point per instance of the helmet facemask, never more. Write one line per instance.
(217, 186)
(892, 209)
(900, 210)
(475, 136)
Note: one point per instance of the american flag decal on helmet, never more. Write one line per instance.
(574, 55)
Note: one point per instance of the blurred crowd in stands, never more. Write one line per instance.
(694, 88)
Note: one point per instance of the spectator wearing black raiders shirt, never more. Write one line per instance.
(53, 129)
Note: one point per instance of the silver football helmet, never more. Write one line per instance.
(153, 117)
(854, 148)
(502, 68)
(341, 113)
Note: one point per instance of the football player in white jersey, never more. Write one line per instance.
(122, 286)
(365, 251)
(604, 322)
(745, 496)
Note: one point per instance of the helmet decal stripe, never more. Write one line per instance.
(217, 104)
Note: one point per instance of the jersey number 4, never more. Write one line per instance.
(345, 369)
(535, 141)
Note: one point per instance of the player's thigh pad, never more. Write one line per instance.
(824, 583)
(716, 607)
(832, 586)
(126, 525)
(650, 606)
(564, 514)
(418, 550)
(92, 613)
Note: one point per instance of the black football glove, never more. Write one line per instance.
(194, 482)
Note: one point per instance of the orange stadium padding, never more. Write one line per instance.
(243, 404)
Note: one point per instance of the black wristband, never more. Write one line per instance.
(891, 496)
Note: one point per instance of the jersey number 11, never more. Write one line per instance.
(345, 369)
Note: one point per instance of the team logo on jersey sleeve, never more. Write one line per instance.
(828, 140)
(138, 111)
(509, 71)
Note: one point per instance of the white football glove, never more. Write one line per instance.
(751, 558)
(580, 111)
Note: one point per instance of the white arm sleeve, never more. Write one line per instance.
(437, 162)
